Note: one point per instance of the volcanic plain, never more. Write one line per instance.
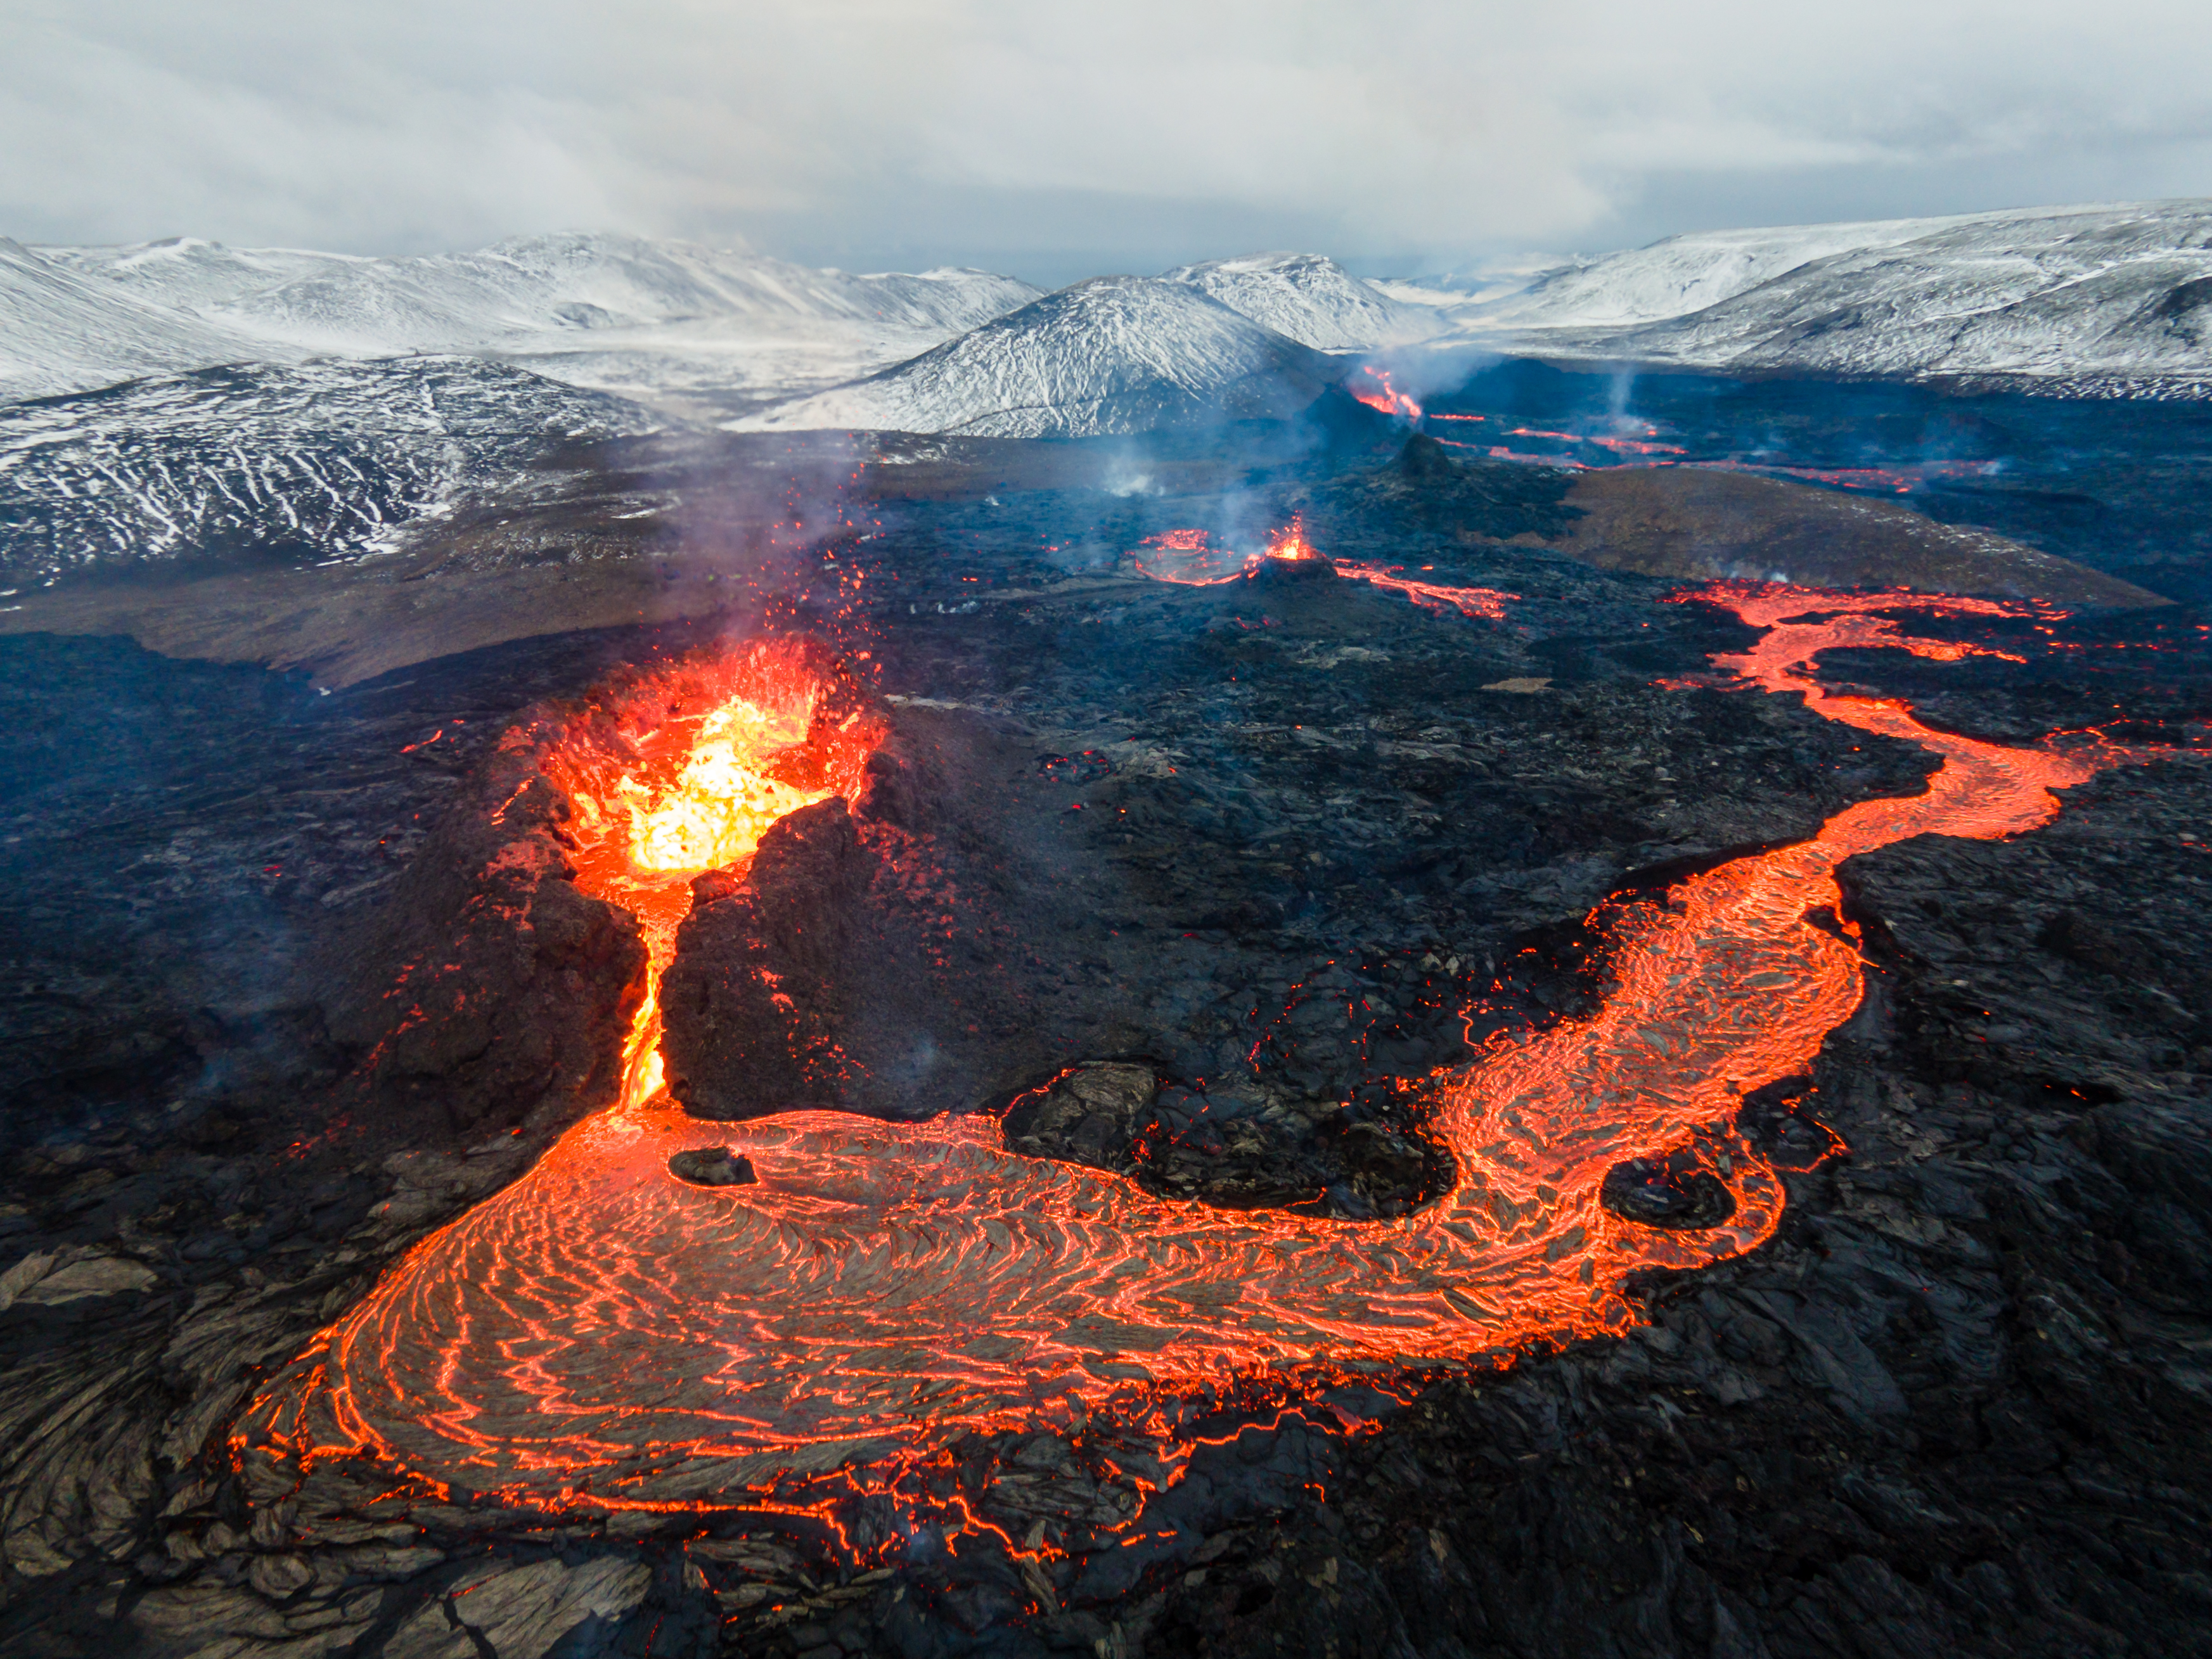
(1212, 877)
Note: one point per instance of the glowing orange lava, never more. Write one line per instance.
(1377, 394)
(602, 1334)
(1485, 602)
(1289, 543)
(1191, 558)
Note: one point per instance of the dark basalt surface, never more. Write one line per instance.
(1245, 856)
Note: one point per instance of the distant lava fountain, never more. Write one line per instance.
(1372, 386)
(601, 1335)
(1289, 543)
(1192, 559)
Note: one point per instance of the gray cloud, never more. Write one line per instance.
(1061, 140)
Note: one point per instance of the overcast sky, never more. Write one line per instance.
(1057, 140)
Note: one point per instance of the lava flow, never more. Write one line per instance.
(603, 1335)
(1190, 558)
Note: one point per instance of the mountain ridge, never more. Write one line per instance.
(2082, 295)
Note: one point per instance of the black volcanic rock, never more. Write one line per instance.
(1091, 1115)
(941, 942)
(754, 1008)
(1281, 576)
(487, 989)
(1424, 460)
(713, 1166)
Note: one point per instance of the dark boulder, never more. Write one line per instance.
(713, 1166)
(1424, 460)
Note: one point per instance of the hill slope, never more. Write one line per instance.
(610, 312)
(1307, 298)
(60, 331)
(1113, 354)
(314, 462)
(2112, 299)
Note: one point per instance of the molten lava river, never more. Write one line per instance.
(604, 1335)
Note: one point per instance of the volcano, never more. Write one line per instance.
(1544, 1019)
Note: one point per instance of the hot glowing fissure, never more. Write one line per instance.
(602, 1333)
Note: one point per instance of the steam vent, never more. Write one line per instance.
(1132, 979)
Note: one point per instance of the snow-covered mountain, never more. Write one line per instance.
(1115, 354)
(183, 399)
(1687, 273)
(527, 286)
(2116, 298)
(1309, 299)
(614, 313)
(316, 461)
(61, 331)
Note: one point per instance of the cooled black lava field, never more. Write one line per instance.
(1211, 891)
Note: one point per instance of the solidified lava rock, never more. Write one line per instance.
(489, 991)
(1429, 487)
(754, 1006)
(713, 1166)
(1091, 1115)
(1668, 1192)
(936, 944)
(1424, 459)
(1273, 576)
(1234, 1148)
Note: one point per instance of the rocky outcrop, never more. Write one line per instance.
(489, 992)
(938, 943)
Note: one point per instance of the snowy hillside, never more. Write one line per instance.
(531, 286)
(1687, 273)
(1115, 354)
(613, 312)
(314, 462)
(2112, 298)
(60, 331)
(1309, 299)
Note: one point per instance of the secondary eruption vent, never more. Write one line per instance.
(603, 1335)
(1194, 559)
(1371, 387)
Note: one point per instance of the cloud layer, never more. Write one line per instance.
(1059, 139)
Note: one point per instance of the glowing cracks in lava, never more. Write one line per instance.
(601, 1335)
(1190, 558)
(1485, 602)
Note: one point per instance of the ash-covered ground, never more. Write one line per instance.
(1314, 838)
